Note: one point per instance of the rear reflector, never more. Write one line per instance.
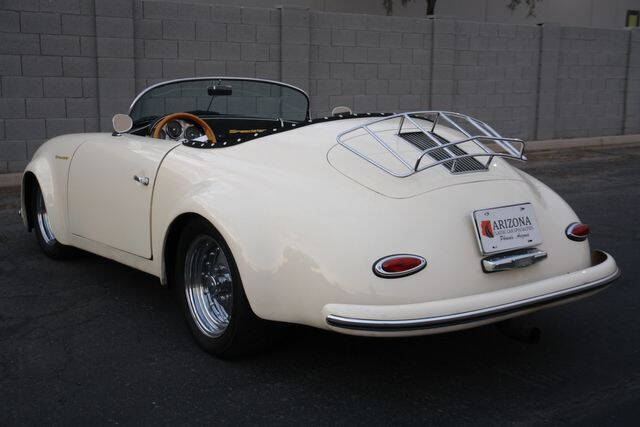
(398, 265)
(577, 231)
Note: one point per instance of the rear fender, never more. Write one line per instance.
(210, 201)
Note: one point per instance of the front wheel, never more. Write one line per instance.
(44, 233)
(213, 299)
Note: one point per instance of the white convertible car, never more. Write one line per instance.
(368, 224)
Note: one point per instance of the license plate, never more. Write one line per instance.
(506, 228)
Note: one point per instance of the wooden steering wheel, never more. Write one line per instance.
(157, 128)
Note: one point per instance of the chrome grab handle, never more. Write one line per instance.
(513, 260)
(144, 180)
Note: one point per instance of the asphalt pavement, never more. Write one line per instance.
(91, 341)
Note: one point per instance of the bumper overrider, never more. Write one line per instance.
(473, 310)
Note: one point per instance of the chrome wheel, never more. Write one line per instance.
(43, 222)
(208, 285)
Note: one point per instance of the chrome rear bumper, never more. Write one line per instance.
(478, 315)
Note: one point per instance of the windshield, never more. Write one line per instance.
(225, 97)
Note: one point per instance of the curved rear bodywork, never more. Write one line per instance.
(307, 219)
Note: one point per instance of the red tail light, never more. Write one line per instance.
(577, 231)
(398, 265)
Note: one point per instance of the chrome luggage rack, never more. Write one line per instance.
(441, 150)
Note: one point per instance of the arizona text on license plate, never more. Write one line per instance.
(506, 228)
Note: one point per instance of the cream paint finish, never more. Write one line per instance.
(106, 204)
(444, 307)
(50, 165)
(304, 235)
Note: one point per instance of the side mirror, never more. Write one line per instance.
(122, 123)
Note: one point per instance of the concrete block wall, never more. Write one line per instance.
(48, 73)
(591, 82)
(549, 57)
(175, 40)
(69, 65)
(369, 63)
(632, 93)
(489, 71)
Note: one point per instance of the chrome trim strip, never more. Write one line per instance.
(187, 79)
(468, 316)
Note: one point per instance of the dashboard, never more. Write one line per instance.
(181, 129)
(225, 128)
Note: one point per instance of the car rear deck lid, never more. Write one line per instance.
(411, 153)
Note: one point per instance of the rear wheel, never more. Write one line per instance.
(44, 233)
(213, 299)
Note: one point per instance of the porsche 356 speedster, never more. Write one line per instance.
(380, 224)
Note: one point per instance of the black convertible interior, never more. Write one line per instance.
(224, 128)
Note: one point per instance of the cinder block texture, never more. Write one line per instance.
(368, 63)
(489, 71)
(67, 66)
(591, 82)
(548, 81)
(632, 89)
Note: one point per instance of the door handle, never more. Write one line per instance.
(144, 180)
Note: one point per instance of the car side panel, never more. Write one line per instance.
(106, 204)
(50, 165)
